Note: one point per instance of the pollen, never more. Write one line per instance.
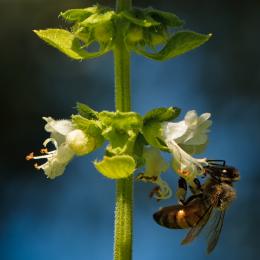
(29, 156)
(44, 151)
(36, 166)
(183, 172)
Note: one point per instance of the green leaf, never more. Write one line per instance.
(178, 44)
(121, 130)
(67, 43)
(116, 167)
(98, 18)
(152, 133)
(91, 127)
(78, 15)
(63, 41)
(162, 114)
(138, 17)
(164, 18)
(139, 144)
(86, 111)
(121, 120)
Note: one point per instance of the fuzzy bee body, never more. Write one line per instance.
(210, 204)
(182, 216)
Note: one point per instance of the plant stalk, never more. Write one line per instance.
(124, 187)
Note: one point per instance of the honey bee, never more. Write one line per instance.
(210, 204)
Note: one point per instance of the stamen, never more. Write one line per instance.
(36, 166)
(44, 151)
(183, 172)
(154, 191)
(50, 140)
(146, 178)
(164, 191)
(29, 156)
(49, 155)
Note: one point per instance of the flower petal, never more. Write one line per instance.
(191, 118)
(54, 169)
(184, 164)
(204, 117)
(154, 162)
(173, 131)
(62, 127)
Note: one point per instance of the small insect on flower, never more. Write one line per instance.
(209, 205)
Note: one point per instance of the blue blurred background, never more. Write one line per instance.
(72, 216)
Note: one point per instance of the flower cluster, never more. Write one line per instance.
(133, 142)
(189, 136)
(142, 30)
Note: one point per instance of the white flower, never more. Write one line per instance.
(154, 166)
(67, 142)
(58, 128)
(184, 164)
(192, 132)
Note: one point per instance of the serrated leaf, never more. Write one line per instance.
(86, 111)
(137, 16)
(67, 43)
(116, 167)
(165, 18)
(98, 18)
(178, 44)
(162, 114)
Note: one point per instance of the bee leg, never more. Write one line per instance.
(197, 187)
(181, 191)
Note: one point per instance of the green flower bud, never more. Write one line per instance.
(103, 32)
(157, 36)
(134, 34)
(80, 143)
(157, 39)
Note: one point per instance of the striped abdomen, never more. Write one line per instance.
(181, 216)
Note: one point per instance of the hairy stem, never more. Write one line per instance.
(124, 187)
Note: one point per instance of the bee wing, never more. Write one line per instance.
(194, 232)
(215, 230)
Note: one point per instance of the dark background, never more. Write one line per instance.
(72, 216)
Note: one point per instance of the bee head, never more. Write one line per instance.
(229, 174)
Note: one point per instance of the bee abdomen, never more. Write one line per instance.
(180, 217)
(174, 218)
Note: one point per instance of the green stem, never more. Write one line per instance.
(124, 187)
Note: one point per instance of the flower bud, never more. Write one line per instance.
(103, 32)
(158, 38)
(79, 143)
(134, 34)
